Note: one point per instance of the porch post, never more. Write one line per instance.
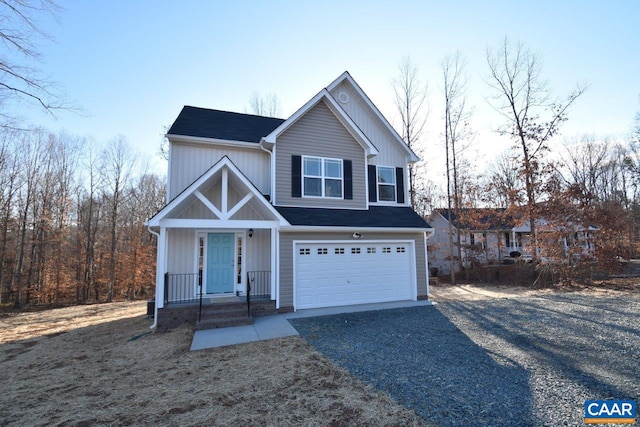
(513, 240)
(161, 267)
(274, 266)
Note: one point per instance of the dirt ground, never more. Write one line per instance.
(100, 365)
(441, 292)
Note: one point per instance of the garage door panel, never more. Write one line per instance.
(331, 274)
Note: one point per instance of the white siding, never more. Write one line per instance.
(181, 251)
(391, 154)
(189, 161)
(258, 255)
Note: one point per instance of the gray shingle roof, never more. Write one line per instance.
(481, 218)
(206, 123)
(375, 216)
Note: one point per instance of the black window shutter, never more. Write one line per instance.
(348, 179)
(373, 183)
(296, 176)
(400, 185)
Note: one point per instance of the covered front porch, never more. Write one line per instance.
(218, 263)
(216, 241)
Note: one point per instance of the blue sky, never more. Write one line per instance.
(132, 65)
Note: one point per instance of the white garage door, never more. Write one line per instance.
(332, 274)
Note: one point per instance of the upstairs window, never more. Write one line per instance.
(386, 184)
(322, 177)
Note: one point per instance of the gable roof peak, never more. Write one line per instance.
(346, 76)
(339, 113)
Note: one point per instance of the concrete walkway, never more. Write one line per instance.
(278, 326)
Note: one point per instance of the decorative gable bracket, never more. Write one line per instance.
(223, 213)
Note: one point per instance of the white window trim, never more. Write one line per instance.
(323, 177)
(395, 184)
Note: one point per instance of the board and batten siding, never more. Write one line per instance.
(181, 251)
(287, 256)
(258, 251)
(319, 133)
(189, 161)
(390, 153)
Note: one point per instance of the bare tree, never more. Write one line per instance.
(267, 105)
(531, 116)
(456, 130)
(31, 160)
(65, 155)
(59, 240)
(9, 185)
(410, 98)
(21, 35)
(585, 163)
(143, 201)
(503, 187)
(633, 161)
(89, 213)
(599, 178)
(117, 166)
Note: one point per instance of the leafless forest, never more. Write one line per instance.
(72, 220)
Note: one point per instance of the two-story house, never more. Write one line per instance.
(312, 211)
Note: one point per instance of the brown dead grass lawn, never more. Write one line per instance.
(78, 366)
(445, 292)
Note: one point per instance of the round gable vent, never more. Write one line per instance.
(343, 97)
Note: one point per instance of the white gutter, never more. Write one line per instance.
(303, 228)
(204, 140)
(155, 305)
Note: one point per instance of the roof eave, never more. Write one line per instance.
(346, 228)
(216, 141)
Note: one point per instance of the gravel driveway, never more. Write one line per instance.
(524, 361)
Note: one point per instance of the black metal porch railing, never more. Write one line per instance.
(186, 288)
(182, 288)
(258, 285)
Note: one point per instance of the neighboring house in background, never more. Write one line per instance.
(311, 211)
(486, 236)
(495, 236)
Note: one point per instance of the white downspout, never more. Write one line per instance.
(275, 233)
(155, 305)
(272, 168)
(426, 235)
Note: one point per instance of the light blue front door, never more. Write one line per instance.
(220, 248)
